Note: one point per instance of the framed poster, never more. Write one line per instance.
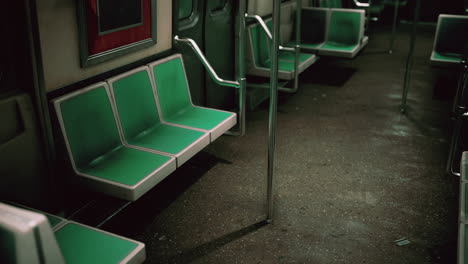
(112, 28)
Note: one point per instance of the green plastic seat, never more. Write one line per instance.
(345, 34)
(314, 28)
(140, 121)
(82, 244)
(96, 151)
(259, 55)
(451, 34)
(26, 237)
(176, 107)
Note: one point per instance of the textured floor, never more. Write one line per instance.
(352, 175)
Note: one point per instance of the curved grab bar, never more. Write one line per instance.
(361, 4)
(267, 30)
(205, 63)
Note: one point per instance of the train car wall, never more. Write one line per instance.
(58, 31)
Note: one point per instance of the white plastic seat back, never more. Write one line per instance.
(26, 237)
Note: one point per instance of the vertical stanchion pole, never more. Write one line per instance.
(409, 61)
(297, 46)
(273, 109)
(395, 22)
(241, 65)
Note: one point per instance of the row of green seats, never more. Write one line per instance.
(259, 55)
(450, 39)
(126, 135)
(333, 32)
(28, 237)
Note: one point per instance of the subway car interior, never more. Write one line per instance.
(222, 131)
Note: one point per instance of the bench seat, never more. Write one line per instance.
(333, 31)
(95, 149)
(259, 55)
(175, 103)
(141, 123)
(28, 238)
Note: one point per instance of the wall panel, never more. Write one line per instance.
(60, 44)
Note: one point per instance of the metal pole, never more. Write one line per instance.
(241, 79)
(395, 21)
(297, 45)
(409, 61)
(273, 108)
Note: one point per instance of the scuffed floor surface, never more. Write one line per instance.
(353, 175)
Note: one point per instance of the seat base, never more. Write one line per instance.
(329, 49)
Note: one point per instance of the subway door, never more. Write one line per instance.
(220, 51)
(190, 25)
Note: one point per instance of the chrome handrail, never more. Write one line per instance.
(263, 25)
(205, 63)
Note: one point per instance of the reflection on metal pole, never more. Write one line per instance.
(273, 109)
(395, 22)
(409, 61)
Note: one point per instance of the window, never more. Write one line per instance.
(185, 9)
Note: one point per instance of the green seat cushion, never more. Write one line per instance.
(260, 45)
(174, 98)
(338, 46)
(456, 58)
(125, 165)
(196, 117)
(82, 245)
(139, 116)
(344, 28)
(290, 56)
(90, 126)
(166, 138)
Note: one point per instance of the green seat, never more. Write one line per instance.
(97, 154)
(451, 34)
(82, 244)
(140, 121)
(259, 55)
(176, 107)
(314, 28)
(345, 34)
(27, 238)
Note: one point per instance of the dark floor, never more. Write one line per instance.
(352, 176)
